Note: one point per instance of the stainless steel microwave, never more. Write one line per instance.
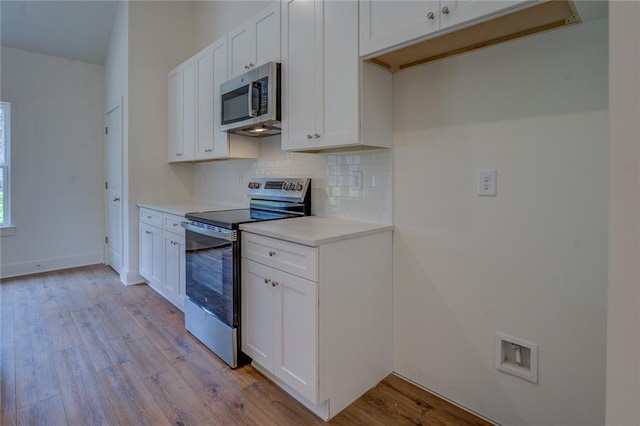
(250, 104)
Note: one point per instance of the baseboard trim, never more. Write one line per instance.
(131, 278)
(53, 264)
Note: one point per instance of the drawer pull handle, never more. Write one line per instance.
(272, 253)
(267, 280)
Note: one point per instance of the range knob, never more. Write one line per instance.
(250, 186)
(299, 187)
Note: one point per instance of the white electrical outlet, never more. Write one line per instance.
(487, 182)
(356, 180)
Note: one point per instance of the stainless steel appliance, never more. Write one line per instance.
(212, 308)
(251, 102)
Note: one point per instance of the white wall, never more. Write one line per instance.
(117, 60)
(213, 19)
(531, 262)
(160, 38)
(623, 326)
(57, 132)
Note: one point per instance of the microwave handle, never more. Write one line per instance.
(252, 85)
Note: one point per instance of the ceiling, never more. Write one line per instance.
(77, 30)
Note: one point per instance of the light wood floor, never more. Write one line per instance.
(79, 348)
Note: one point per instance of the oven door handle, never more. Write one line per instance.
(211, 231)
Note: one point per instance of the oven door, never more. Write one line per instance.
(211, 273)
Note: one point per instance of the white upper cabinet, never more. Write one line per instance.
(181, 109)
(458, 12)
(387, 23)
(194, 110)
(329, 97)
(256, 42)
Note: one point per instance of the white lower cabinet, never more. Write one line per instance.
(162, 254)
(318, 320)
(174, 268)
(151, 258)
(280, 321)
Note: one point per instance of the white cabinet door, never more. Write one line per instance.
(174, 268)
(256, 42)
(302, 63)
(296, 333)
(174, 122)
(341, 81)
(211, 72)
(456, 12)
(257, 312)
(220, 138)
(266, 38)
(188, 110)
(240, 54)
(204, 103)
(386, 23)
(151, 255)
(181, 109)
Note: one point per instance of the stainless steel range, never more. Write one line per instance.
(212, 308)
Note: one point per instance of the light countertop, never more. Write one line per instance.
(183, 207)
(313, 230)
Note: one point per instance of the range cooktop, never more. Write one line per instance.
(232, 218)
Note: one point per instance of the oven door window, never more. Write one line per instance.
(210, 275)
(235, 104)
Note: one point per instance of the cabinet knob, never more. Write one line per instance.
(272, 253)
(431, 16)
(316, 136)
(246, 67)
(251, 64)
(116, 199)
(175, 225)
(149, 217)
(274, 284)
(208, 150)
(445, 10)
(147, 232)
(179, 154)
(267, 280)
(309, 137)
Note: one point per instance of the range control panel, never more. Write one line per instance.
(278, 187)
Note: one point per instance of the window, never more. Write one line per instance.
(5, 163)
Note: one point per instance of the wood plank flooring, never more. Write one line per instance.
(79, 348)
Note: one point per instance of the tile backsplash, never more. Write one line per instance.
(332, 177)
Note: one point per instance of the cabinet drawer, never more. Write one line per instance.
(172, 222)
(152, 217)
(295, 259)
